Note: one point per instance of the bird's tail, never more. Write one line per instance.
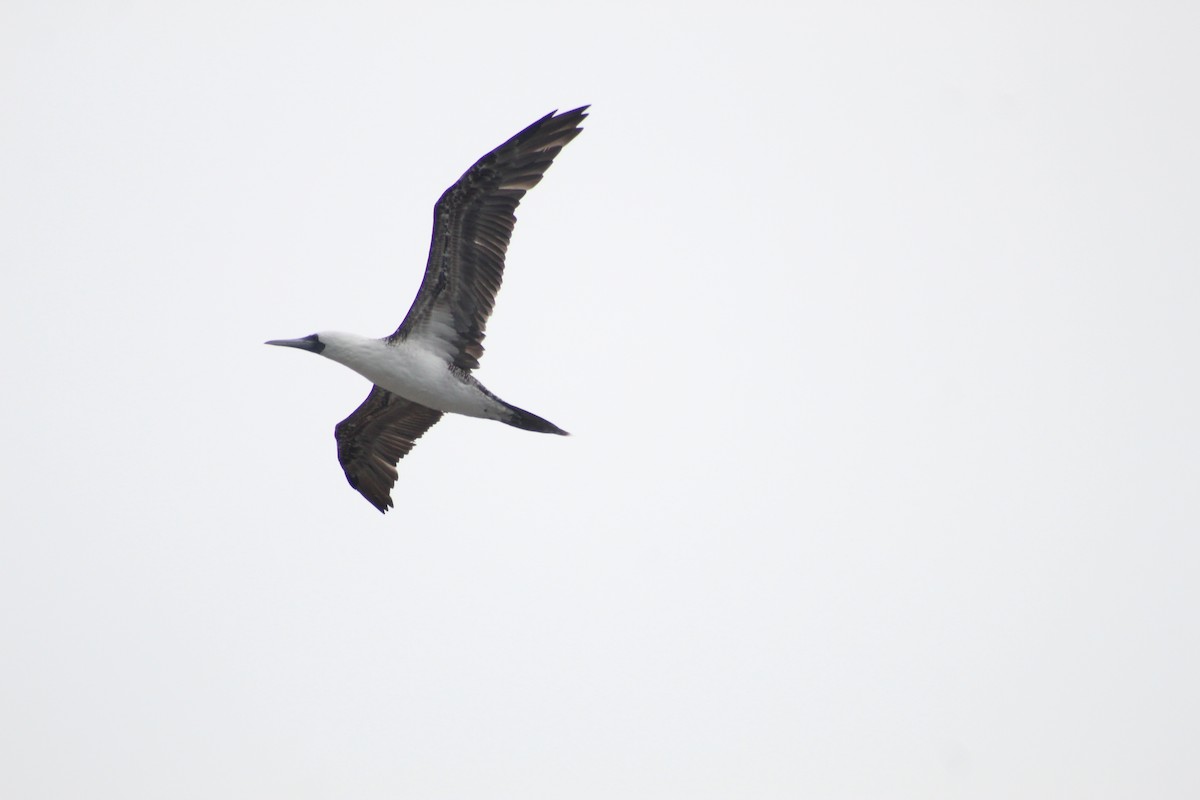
(520, 418)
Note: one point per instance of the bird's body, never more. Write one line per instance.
(415, 372)
(423, 370)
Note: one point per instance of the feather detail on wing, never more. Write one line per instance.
(373, 439)
(472, 225)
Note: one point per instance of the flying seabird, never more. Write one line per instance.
(423, 370)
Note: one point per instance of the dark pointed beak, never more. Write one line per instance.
(310, 343)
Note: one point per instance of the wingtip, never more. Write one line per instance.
(579, 110)
(575, 116)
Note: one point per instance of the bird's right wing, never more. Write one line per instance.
(472, 224)
(375, 437)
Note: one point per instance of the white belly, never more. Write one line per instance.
(423, 377)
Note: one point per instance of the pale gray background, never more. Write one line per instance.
(875, 323)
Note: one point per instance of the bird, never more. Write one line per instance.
(423, 370)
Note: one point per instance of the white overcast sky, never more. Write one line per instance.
(877, 326)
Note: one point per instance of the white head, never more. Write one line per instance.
(344, 348)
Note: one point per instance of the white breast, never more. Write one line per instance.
(414, 372)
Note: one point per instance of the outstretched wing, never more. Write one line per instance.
(375, 437)
(472, 224)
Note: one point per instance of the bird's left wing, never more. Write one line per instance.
(375, 437)
(472, 224)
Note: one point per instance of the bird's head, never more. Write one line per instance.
(345, 348)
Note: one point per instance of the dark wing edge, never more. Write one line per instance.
(373, 439)
(472, 226)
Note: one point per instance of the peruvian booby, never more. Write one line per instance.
(423, 370)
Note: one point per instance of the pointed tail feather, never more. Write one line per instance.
(522, 419)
